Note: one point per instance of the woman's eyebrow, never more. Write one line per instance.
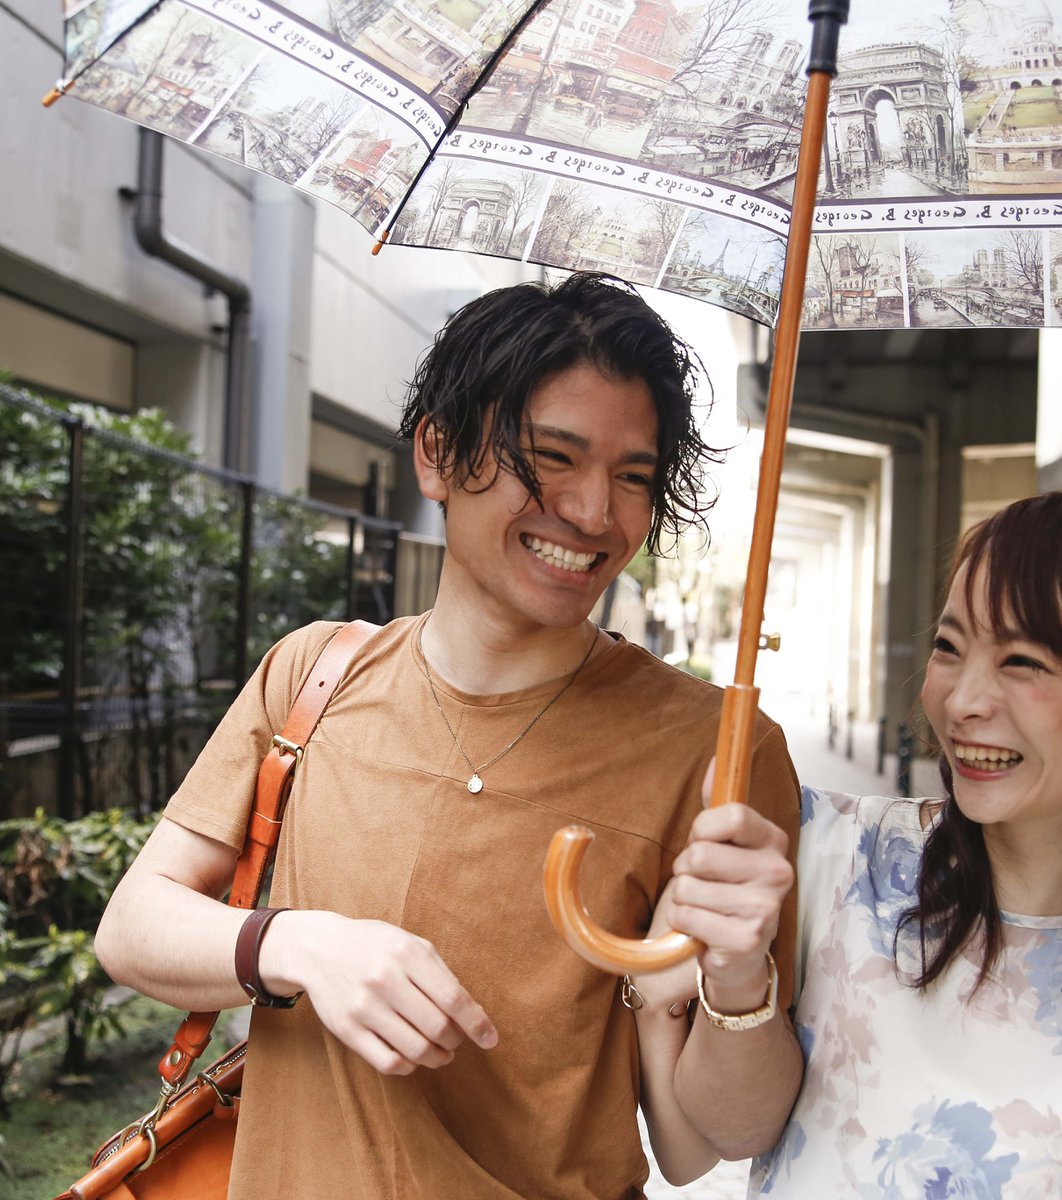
(576, 440)
(1000, 636)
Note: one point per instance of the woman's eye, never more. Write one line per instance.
(1023, 660)
(943, 646)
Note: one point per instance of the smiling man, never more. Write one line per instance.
(448, 1043)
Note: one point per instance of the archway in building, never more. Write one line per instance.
(469, 221)
(1015, 86)
(883, 131)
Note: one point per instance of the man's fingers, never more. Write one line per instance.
(425, 1015)
(440, 986)
(379, 1053)
(409, 1042)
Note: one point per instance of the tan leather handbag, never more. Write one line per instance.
(183, 1147)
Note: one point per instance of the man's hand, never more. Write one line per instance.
(383, 992)
(728, 887)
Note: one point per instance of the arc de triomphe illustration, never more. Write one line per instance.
(913, 79)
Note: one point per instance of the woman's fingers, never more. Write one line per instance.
(726, 863)
(740, 825)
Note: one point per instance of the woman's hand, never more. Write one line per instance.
(727, 892)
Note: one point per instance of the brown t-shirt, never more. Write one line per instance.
(381, 825)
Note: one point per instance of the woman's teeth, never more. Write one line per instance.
(557, 556)
(988, 756)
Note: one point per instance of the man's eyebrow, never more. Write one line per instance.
(567, 437)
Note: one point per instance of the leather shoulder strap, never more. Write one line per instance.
(277, 772)
(272, 788)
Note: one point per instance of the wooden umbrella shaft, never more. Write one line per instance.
(734, 746)
(734, 750)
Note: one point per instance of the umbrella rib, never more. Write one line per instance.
(459, 112)
(67, 82)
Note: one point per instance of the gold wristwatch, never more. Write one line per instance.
(749, 1020)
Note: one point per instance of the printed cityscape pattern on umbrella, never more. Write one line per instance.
(650, 138)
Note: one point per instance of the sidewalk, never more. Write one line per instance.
(819, 766)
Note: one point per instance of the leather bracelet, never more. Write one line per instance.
(248, 947)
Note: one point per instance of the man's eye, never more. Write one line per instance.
(636, 477)
(551, 455)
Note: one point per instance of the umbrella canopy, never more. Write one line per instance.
(653, 139)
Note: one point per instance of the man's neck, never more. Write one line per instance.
(482, 655)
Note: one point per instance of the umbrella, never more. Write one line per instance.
(654, 140)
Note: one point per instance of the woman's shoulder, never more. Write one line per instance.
(822, 809)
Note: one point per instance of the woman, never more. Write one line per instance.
(930, 957)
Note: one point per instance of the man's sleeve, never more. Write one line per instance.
(774, 791)
(216, 795)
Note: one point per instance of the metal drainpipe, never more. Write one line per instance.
(147, 225)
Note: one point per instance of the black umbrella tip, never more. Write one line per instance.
(827, 17)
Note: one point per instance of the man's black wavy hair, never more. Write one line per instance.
(496, 350)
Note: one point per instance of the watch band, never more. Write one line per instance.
(749, 1020)
(248, 946)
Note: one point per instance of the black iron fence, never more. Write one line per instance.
(139, 589)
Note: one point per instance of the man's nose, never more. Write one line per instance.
(586, 503)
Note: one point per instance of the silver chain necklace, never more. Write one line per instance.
(475, 783)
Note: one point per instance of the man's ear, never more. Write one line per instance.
(427, 452)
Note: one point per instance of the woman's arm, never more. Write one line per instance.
(711, 1092)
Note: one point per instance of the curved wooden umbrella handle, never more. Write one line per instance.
(608, 951)
(604, 950)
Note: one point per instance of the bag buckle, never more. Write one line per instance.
(145, 1127)
(286, 746)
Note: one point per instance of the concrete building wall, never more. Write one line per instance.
(85, 312)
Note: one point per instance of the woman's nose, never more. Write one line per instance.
(974, 692)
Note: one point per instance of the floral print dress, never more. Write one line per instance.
(910, 1095)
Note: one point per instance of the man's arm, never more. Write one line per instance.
(709, 1092)
(382, 991)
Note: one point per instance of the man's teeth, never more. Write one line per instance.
(990, 755)
(557, 556)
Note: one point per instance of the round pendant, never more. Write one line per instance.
(475, 785)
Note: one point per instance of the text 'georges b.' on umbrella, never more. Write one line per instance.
(655, 139)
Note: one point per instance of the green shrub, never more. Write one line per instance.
(55, 879)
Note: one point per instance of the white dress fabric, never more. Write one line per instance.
(912, 1095)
